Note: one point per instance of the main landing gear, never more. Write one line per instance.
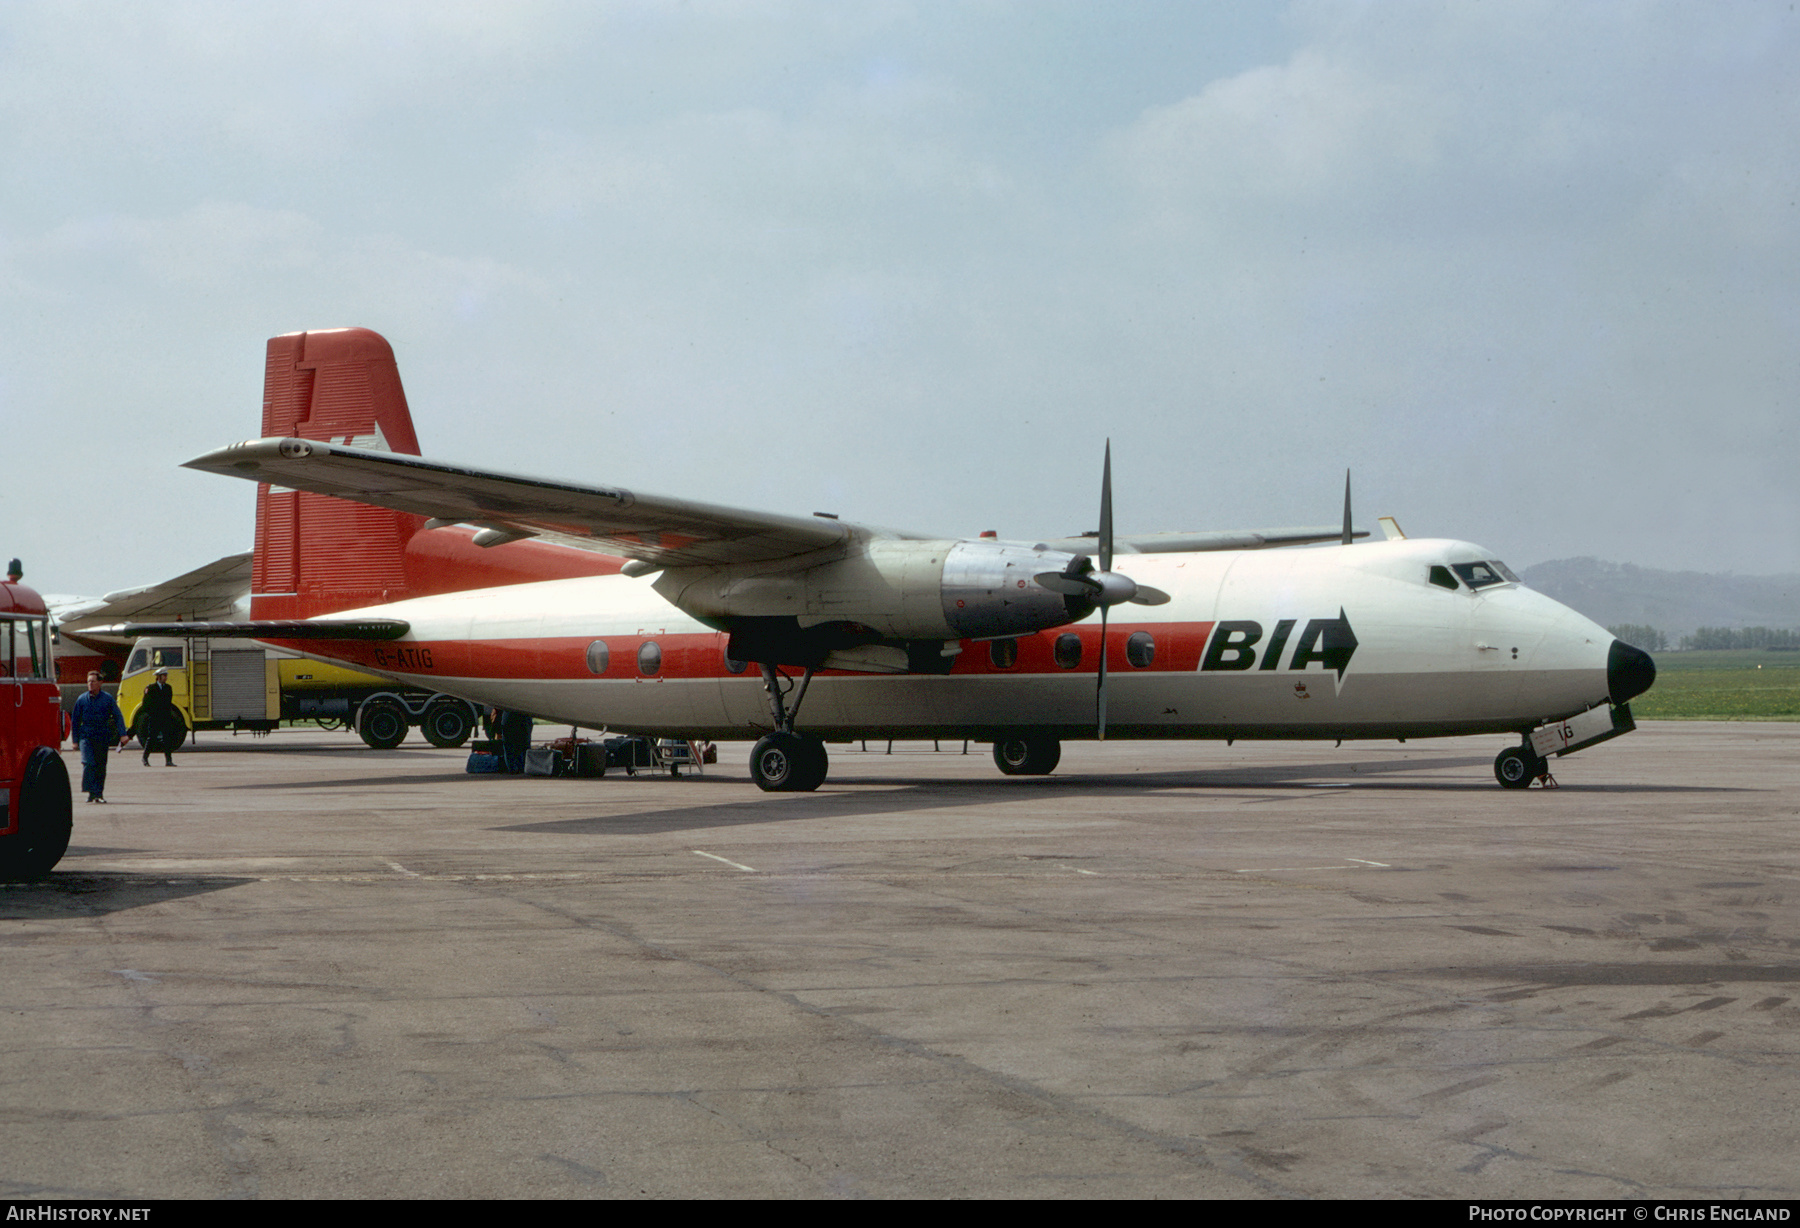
(785, 761)
(1027, 756)
(1517, 766)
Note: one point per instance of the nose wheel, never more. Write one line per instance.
(1517, 766)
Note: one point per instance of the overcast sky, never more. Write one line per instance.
(1530, 270)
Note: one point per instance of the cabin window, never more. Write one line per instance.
(598, 657)
(1140, 649)
(649, 658)
(1479, 575)
(167, 658)
(1068, 650)
(1003, 653)
(140, 659)
(1440, 576)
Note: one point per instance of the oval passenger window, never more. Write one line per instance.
(1140, 649)
(598, 658)
(649, 658)
(1068, 650)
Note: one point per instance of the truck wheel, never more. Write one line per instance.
(382, 723)
(448, 723)
(46, 818)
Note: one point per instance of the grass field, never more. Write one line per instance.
(1722, 686)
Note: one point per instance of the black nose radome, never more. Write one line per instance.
(1629, 671)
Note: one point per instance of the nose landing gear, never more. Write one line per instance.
(1517, 766)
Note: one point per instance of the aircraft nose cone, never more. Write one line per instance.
(1629, 671)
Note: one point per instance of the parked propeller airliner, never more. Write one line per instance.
(726, 624)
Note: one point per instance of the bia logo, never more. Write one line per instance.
(1329, 641)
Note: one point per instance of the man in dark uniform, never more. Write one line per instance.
(96, 725)
(156, 720)
(515, 738)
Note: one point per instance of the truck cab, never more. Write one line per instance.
(217, 684)
(35, 801)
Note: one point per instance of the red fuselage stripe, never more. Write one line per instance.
(1177, 648)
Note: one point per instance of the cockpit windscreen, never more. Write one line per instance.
(1480, 575)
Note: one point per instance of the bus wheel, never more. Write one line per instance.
(448, 723)
(45, 819)
(382, 723)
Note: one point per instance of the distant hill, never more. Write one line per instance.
(1674, 602)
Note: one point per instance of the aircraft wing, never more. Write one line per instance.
(1193, 543)
(205, 592)
(653, 529)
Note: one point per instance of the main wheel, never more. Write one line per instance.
(1517, 766)
(46, 819)
(783, 762)
(1027, 756)
(448, 723)
(382, 723)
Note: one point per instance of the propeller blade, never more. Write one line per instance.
(1106, 528)
(1067, 585)
(1347, 534)
(1146, 595)
(1100, 687)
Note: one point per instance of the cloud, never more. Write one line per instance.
(1315, 133)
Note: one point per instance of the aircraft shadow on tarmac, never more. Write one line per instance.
(869, 796)
(1066, 783)
(75, 894)
(353, 782)
(1535, 978)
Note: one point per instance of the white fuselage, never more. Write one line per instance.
(1323, 642)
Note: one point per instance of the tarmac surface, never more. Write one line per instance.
(296, 967)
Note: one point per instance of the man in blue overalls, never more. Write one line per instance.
(96, 726)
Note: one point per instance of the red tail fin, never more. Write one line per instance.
(315, 554)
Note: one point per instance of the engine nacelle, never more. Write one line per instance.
(988, 591)
(890, 589)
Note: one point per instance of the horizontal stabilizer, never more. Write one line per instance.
(271, 629)
(205, 592)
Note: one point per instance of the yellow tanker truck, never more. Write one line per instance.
(237, 684)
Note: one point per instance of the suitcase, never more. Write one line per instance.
(543, 761)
